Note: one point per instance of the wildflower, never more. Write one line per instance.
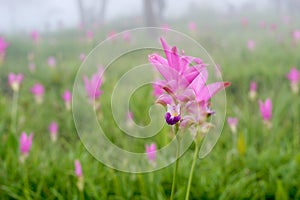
(251, 45)
(67, 97)
(53, 129)
(35, 36)
(93, 85)
(51, 61)
(192, 27)
(232, 122)
(151, 152)
(3, 47)
(15, 80)
(82, 57)
(266, 111)
(25, 145)
(126, 36)
(89, 35)
(38, 91)
(296, 35)
(79, 175)
(253, 90)
(294, 77)
(129, 119)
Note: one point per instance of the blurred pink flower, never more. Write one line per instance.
(273, 27)
(78, 170)
(129, 119)
(296, 35)
(266, 111)
(15, 80)
(3, 47)
(251, 45)
(38, 91)
(126, 36)
(31, 67)
(294, 76)
(89, 35)
(232, 122)
(53, 129)
(67, 97)
(82, 57)
(25, 145)
(244, 22)
(51, 61)
(93, 85)
(35, 36)
(192, 27)
(151, 152)
(253, 90)
(262, 24)
(166, 27)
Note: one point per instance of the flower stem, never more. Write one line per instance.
(197, 148)
(14, 113)
(176, 164)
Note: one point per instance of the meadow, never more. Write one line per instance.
(253, 162)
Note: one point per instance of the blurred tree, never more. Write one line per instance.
(150, 17)
(81, 13)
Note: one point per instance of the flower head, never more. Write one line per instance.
(173, 114)
(266, 109)
(35, 36)
(126, 36)
(79, 174)
(92, 86)
(296, 35)
(15, 80)
(294, 77)
(253, 90)
(67, 97)
(38, 91)
(51, 61)
(25, 145)
(192, 26)
(151, 152)
(232, 122)
(3, 45)
(251, 45)
(82, 57)
(89, 35)
(53, 129)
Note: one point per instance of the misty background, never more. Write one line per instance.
(51, 15)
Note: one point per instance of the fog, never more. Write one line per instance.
(19, 15)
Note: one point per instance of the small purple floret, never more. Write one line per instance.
(171, 120)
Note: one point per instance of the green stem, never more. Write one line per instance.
(197, 148)
(176, 164)
(14, 113)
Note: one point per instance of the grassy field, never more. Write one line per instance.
(254, 163)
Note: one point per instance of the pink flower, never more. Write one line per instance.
(78, 170)
(296, 35)
(262, 24)
(89, 35)
(126, 36)
(38, 91)
(266, 109)
(93, 85)
(251, 45)
(244, 22)
(35, 36)
(15, 80)
(273, 27)
(192, 27)
(82, 57)
(151, 152)
(51, 61)
(3, 45)
(166, 27)
(25, 145)
(253, 90)
(67, 97)
(232, 122)
(294, 77)
(53, 129)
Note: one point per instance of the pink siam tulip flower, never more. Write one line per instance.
(25, 145)
(67, 97)
(93, 85)
(79, 175)
(35, 36)
(232, 122)
(38, 91)
(184, 87)
(51, 61)
(273, 27)
(166, 27)
(192, 27)
(253, 90)
(15, 80)
(89, 36)
(266, 111)
(151, 152)
(127, 36)
(129, 119)
(294, 77)
(82, 57)
(251, 45)
(244, 22)
(262, 25)
(296, 35)
(53, 129)
(3, 47)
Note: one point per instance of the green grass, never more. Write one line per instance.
(268, 169)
